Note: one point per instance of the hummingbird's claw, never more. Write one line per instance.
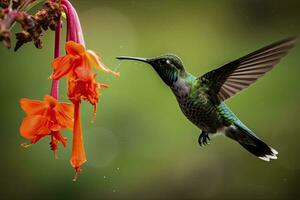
(203, 139)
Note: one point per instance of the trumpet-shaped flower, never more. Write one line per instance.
(44, 118)
(78, 153)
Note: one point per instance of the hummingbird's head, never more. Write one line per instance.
(168, 66)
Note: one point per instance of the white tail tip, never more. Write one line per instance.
(268, 157)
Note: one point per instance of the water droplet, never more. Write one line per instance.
(118, 168)
(114, 190)
(104, 177)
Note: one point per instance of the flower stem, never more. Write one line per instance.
(55, 83)
(74, 31)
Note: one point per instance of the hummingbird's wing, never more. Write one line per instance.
(237, 75)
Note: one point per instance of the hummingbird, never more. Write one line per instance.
(202, 98)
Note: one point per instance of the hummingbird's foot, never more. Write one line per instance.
(203, 138)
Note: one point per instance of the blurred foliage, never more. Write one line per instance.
(141, 146)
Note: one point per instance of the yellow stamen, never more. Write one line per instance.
(77, 171)
(25, 145)
(94, 114)
(55, 155)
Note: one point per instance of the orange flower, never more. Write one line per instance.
(85, 90)
(44, 118)
(82, 85)
(77, 63)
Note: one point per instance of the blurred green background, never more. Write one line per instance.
(141, 146)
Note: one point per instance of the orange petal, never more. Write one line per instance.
(55, 127)
(78, 153)
(50, 101)
(62, 66)
(95, 61)
(57, 62)
(64, 115)
(32, 107)
(34, 126)
(74, 48)
(62, 139)
(58, 136)
(37, 138)
(84, 72)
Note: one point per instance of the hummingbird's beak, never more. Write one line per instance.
(146, 60)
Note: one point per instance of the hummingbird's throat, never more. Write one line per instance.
(168, 75)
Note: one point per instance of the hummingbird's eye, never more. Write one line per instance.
(168, 62)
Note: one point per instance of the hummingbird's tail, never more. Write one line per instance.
(250, 141)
